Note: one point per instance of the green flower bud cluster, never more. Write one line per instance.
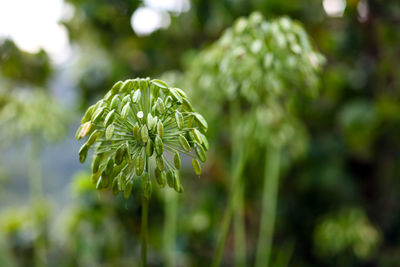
(260, 68)
(140, 122)
(31, 113)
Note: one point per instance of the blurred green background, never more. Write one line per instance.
(338, 201)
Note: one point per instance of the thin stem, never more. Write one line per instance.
(145, 207)
(268, 209)
(232, 203)
(235, 203)
(144, 231)
(239, 227)
(171, 212)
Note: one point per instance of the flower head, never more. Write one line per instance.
(259, 69)
(138, 125)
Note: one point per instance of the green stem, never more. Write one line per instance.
(235, 202)
(145, 208)
(144, 226)
(171, 211)
(232, 203)
(239, 227)
(268, 208)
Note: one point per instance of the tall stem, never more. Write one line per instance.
(232, 203)
(171, 210)
(144, 226)
(145, 207)
(235, 202)
(239, 227)
(268, 209)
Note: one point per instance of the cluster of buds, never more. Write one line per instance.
(140, 125)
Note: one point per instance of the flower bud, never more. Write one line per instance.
(177, 160)
(125, 111)
(186, 105)
(125, 100)
(109, 167)
(128, 189)
(88, 114)
(139, 165)
(197, 136)
(109, 131)
(160, 106)
(93, 137)
(160, 163)
(105, 180)
(168, 102)
(116, 87)
(170, 178)
(201, 154)
(179, 120)
(196, 166)
(177, 181)
(149, 148)
(98, 114)
(135, 131)
(200, 119)
(95, 177)
(160, 177)
(121, 181)
(109, 118)
(83, 153)
(150, 121)
(114, 186)
(85, 129)
(99, 184)
(175, 95)
(160, 129)
(116, 103)
(146, 185)
(78, 133)
(160, 84)
(184, 143)
(136, 96)
(126, 86)
(159, 145)
(144, 134)
(119, 154)
(190, 121)
(205, 142)
(97, 159)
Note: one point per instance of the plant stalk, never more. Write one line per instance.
(239, 227)
(232, 203)
(235, 202)
(145, 208)
(171, 212)
(144, 226)
(268, 208)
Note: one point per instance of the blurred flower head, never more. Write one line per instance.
(31, 113)
(349, 229)
(265, 67)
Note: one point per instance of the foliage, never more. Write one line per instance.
(31, 113)
(348, 229)
(22, 67)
